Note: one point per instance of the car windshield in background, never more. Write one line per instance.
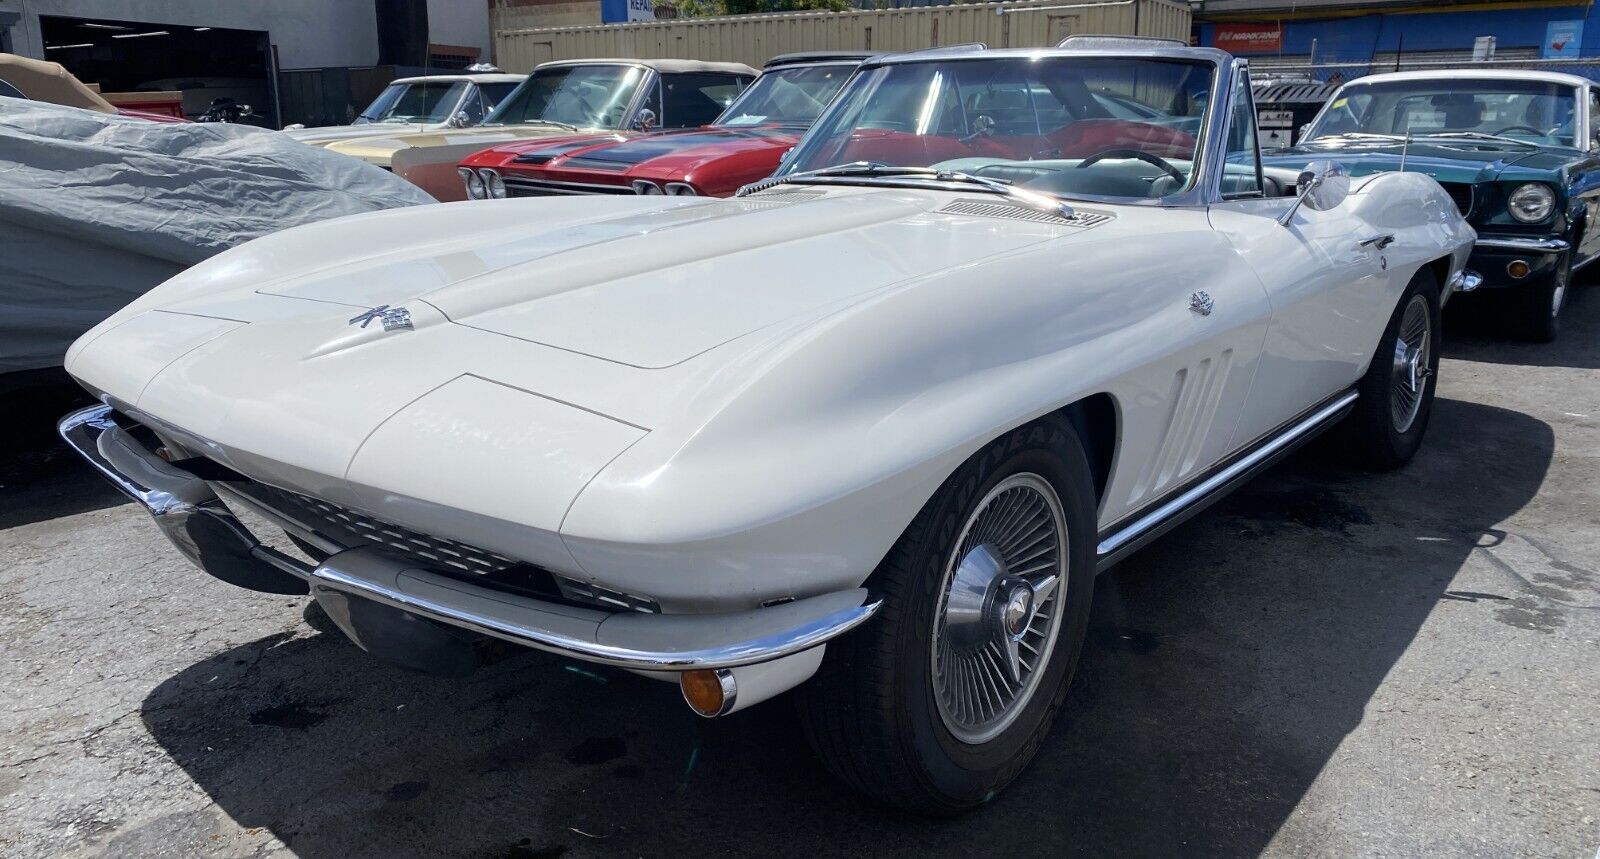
(1091, 126)
(792, 97)
(582, 96)
(1530, 111)
(417, 102)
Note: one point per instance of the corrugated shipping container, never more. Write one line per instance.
(754, 39)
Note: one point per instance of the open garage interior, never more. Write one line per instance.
(204, 63)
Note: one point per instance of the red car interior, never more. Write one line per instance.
(1079, 139)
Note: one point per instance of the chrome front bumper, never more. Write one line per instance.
(189, 511)
(1521, 244)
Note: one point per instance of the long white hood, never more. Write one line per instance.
(548, 335)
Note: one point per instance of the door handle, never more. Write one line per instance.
(1378, 242)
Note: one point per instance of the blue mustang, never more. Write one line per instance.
(1517, 151)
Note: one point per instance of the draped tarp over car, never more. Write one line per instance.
(95, 209)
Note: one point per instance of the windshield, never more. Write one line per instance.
(428, 103)
(582, 96)
(1532, 111)
(1095, 126)
(792, 97)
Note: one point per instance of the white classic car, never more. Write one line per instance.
(872, 426)
(419, 104)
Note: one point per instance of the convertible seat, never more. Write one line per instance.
(1077, 140)
(1089, 136)
(900, 147)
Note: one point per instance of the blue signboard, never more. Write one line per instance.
(1562, 39)
(621, 11)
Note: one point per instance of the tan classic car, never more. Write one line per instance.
(565, 97)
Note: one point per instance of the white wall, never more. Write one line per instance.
(308, 33)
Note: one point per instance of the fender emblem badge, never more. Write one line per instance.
(1201, 303)
(392, 317)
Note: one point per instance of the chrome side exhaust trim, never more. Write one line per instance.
(1123, 540)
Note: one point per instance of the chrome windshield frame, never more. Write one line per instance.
(630, 110)
(852, 65)
(1211, 146)
(1580, 107)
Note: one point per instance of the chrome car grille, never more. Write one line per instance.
(353, 529)
(517, 186)
(592, 593)
(1461, 194)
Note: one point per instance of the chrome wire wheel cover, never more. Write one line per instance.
(999, 608)
(1413, 352)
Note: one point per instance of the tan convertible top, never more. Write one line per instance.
(664, 66)
(49, 82)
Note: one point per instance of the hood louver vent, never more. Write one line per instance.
(772, 199)
(997, 209)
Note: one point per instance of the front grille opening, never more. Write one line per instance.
(1460, 194)
(518, 186)
(352, 529)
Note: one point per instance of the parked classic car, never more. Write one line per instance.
(1516, 150)
(96, 209)
(38, 80)
(426, 103)
(743, 145)
(872, 425)
(567, 97)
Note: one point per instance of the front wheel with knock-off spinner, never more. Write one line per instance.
(1385, 428)
(941, 701)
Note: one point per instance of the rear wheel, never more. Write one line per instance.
(1537, 309)
(939, 703)
(1385, 429)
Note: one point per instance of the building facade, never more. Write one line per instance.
(242, 49)
(1328, 33)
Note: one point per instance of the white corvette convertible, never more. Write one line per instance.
(872, 426)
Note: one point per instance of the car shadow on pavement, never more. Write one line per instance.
(40, 478)
(1225, 664)
(1474, 330)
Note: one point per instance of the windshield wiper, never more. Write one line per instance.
(877, 170)
(1356, 135)
(1479, 135)
(562, 125)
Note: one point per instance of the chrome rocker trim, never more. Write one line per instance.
(201, 526)
(1529, 245)
(1123, 539)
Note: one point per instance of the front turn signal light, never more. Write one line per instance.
(708, 692)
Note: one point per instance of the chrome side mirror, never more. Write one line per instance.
(645, 121)
(1323, 185)
(460, 120)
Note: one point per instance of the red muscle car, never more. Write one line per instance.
(743, 145)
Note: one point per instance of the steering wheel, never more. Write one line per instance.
(1520, 128)
(1146, 157)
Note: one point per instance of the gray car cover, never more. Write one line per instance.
(95, 209)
